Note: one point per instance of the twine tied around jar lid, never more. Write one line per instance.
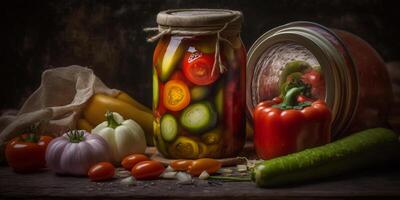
(199, 22)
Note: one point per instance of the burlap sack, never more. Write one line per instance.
(56, 104)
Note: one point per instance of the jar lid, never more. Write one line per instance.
(199, 17)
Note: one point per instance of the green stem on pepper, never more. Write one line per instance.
(111, 122)
(290, 100)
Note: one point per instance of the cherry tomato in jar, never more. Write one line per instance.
(181, 165)
(178, 75)
(101, 171)
(26, 153)
(204, 164)
(176, 95)
(147, 170)
(315, 79)
(130, 161)
(198, 68)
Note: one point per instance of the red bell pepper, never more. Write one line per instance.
(26, 153)
(285, 127)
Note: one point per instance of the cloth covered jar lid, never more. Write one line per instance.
(200, 18)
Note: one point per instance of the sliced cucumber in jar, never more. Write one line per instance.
(157, 139)
(198, 93)
(169, 127)
(212, 137)
(184, 148)
(199, 117)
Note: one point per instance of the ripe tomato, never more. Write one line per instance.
(147, 170)
(178, 75)
(101, 171)
(317, 82)
(204, 164)
(176, 95)
(197, 68)
(181, 165)
(131, 160)
(26, 153)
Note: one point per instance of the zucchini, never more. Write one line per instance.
(198, 93)
(362, 149)
(169, 127)
(199, 117)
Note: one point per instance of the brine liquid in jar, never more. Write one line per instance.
(199, 110)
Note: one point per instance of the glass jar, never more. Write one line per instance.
(339, 67)
(199, 84)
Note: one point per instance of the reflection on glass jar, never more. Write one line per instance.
(198, 108)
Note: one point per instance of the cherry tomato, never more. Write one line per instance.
(131, 160)
(204, 164)
(315, 79)
(181, 165)
(101, 171)
(26, 153)
(178, 75)
(147, 170)
(176, 95)
(198, 68)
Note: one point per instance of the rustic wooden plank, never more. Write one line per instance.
(46, 185)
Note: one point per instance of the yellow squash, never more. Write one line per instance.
(99, 104)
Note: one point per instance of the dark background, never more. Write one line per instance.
(107, 35)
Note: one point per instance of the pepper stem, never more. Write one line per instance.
(290, 98)
(112, 123)
(31, 137)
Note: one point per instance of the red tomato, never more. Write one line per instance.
(181, 165)
(131, 160)
(147, 170)
(101, 171)
(178, 75)
(204, 164)
(317, 82)
(197, 67)
(26, 153)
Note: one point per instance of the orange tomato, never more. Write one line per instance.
(176, 95)
(130, 161)
(147, 170)
(204, 164)
(101, 171)
(26, 153)
(181, 165)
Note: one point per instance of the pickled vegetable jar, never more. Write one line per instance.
(199, 68)
(335, 65)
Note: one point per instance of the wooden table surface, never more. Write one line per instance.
(382, 183)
